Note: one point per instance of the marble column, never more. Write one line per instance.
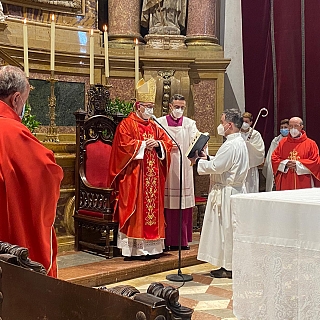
(201, 29)
(124, 20)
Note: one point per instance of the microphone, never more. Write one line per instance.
(153, 117)
(176, 277)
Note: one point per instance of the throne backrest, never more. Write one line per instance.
(94, 138)
(96, 135)
(96, 163)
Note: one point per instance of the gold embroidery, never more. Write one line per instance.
(151, 183)
(294, 155)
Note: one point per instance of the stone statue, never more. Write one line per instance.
(2, 16)
(164, 16)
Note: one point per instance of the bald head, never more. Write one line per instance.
(296, 120)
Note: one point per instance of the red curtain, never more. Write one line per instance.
(278, 84)
(312, 14)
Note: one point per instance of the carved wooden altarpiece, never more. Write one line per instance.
(68, 6)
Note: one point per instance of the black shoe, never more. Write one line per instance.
(221, 273)
(176, 248)
(138, 258)
(166, 248)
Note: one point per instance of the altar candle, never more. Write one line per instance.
(25, 48)
(106, 51)
(53, 38)
(91, 57)
(136, 62)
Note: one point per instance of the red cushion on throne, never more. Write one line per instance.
(97, 164)
(90, 213)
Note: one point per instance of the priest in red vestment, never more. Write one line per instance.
(29, 177)
(139, 165)
(295, 162)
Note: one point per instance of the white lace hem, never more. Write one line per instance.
(139, 247)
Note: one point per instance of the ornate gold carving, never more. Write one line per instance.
(166, 75)
(165, 42)
(68, 215)
(76, 6)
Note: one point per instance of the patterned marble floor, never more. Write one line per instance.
(210, 298)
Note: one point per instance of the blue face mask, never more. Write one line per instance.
(284, 132)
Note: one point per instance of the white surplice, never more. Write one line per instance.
(255, 147)
(184, 136)
(267, 167)
(228, 171)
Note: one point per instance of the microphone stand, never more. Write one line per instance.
(177, 277)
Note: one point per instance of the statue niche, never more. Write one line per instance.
(164, 17)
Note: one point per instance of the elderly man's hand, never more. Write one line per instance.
(151, 143)
(291, 164)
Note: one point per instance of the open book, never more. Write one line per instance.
(198, 143)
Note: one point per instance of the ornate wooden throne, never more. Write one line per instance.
(95, 227)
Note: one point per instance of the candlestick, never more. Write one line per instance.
(136, 62)
(53, 36)
(91, 57)
(106, 51)
(25, 48)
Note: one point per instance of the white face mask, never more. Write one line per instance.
(294, 132)
(220, 130)
(148, 112)
(245, 126)
(177, 113)
(23, 111)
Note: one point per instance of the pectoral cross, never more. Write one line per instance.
(293, 155)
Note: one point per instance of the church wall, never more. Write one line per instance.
(195, 70)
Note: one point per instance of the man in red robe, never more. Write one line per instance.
(295, 161)
(139, 165)
(29, 177)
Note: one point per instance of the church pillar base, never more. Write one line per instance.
(115, 39)
(201, 40)
(166, 42)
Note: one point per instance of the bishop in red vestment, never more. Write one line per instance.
(295, 162)
(139, 165)
(29, 177)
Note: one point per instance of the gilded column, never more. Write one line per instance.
(124, 20)
(201, 29)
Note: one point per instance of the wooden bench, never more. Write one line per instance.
(26, 293)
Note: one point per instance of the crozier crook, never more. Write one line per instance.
(263, 115)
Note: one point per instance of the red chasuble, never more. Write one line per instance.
(29, 191)
(140, 183)
(301, 149)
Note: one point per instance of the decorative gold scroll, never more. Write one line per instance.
(74, 6)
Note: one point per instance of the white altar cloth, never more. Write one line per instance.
(276, 255)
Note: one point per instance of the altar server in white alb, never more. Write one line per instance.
(183, 130)
(228, 170)
(255, 147)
